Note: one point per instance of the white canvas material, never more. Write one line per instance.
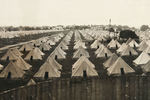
(121, 48)
(36, 53)
(1, 67)
(31, 82)
(128, 50)
(102, 51)
(59, 53)
(13, 54)
(26, 47)
(142, 46)
(110, 61)
(83, 64)
(51, 66)
(45, 47)
(115, 69)
(95, 44)
(113, 44)
(143, 58)
(80, 52)
(22, 64)
(133, 43)
(16, 72)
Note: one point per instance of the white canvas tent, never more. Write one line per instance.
(122, 47)
(82, 44)
(118, 66)
(16, 51)
(81, 65)
(80, 52)
(66, 40)
(12, 70)
(44, 47)
(142, 46)
(103, 52)
(31, 82)
(143, 58)
(99, 49)
(26, 47)
(51, 67)
(146, 67)
(50, 42)
(110, 61)
(35, 54)
(11, 55)
(22, 64)
(128, 51)
(58, 53)
(133, 43)
(1, 67)
(63, 46)
(101, 38)
(113, 44)
(37, 42)
(147, 50)
(96, 44)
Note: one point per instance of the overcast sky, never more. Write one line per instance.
(67, 12)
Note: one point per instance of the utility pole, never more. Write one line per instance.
(109, 23)
(109, 26)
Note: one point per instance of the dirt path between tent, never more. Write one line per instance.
(10, 46)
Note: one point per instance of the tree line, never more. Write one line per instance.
(24, 28)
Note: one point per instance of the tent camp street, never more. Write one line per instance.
(76, 59)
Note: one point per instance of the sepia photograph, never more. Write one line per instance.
(74, 50)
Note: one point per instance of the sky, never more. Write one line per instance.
(69, 12)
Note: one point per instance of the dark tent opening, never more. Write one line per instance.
(7, 58)
(84, 74)
(46, 75)
(24, 49)
(56, 57)
(134, 46)
(122, 71)
(9, 75)
(42, 49)
(106, 55)
(130, 53)
(97, 46)
(116, 46)
(31, 58)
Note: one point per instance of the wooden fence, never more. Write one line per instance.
(110, 88)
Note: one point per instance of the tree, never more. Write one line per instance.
(111, 30)
(144, 27)
(128, 34)
(118, 29)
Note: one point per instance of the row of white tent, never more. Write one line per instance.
(59, 52)
(17, 67)
(127, 48)
(52, 68)
(87, 66)
(35, 49)
(115, 67)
